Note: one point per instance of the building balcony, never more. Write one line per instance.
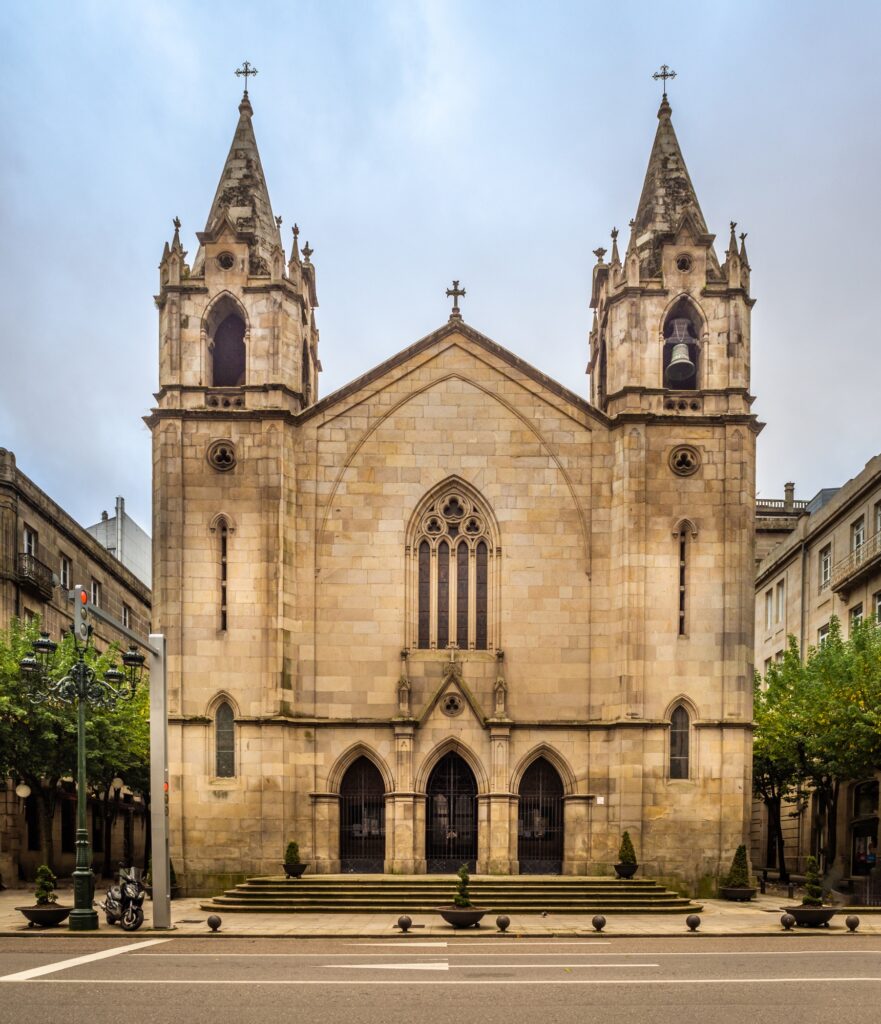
(861, 562)
(34, 576)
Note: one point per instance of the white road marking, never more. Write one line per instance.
(544, 967)
(428, 965)
(62, 965)
(485, 981)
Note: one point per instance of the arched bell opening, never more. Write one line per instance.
(362, 819)
(682, 331)
(451, 816)
(228, 364)
(540, 820)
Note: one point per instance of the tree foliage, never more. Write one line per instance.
(38, 742)
(818, 723)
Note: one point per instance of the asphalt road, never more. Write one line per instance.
(685, 980)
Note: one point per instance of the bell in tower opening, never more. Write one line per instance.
(680, 354)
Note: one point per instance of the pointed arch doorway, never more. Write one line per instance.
(451, 816)
(540, 820)
(362, 819)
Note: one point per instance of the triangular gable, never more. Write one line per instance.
(453, 680)
(450, 329)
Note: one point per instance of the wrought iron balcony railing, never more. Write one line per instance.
(34, 575)
(859, 563)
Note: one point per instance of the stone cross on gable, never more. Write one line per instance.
(247, 71)
(664, 74)
(456, 293)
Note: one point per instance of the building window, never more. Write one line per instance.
(767, 665)
(679, 743)
(877, 603)
(856, 615)
(224, 742)
(781, 601)
(769, 610)
(126, 616)
(29, 615)
(223, 529)
(858, 534)
(64, 572)
(683, 552)
(96, 593)
(30, 541)
(778, 657)
(825, 568)
(822, 634)
(878, 517)
(864, 828)
(453, 550)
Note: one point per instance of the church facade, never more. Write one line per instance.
(454, 612)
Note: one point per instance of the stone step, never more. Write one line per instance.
(424, 893)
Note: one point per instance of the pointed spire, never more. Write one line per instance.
(732, 241)
(615, 257)
(242, 198)
(631, 245)
(176, 245)
(295, 244)
(743, 258)
(667, 193)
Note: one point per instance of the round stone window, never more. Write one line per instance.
(221, 455)
(683, 262)
(226, 261)
(685, 460)
(452, 705)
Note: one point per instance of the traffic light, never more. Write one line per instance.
(81, 614)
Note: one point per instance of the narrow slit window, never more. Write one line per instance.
(481, 597)
(224, 546)
(224, 742)
(679, 743)
(683, 551)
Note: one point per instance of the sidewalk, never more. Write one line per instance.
(718, 917)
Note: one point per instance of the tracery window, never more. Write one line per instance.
(452, 554)
(224, 742)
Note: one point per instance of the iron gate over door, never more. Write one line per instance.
(362, 818)
(451, 816)
(540, 820)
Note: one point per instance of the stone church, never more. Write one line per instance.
(454, 612)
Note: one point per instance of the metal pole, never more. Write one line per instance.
(159, 783)
(82, 918)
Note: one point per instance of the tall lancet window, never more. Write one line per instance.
(679, 726)
(223, 572)
(224, 742)
(683, 578)
(452, 555)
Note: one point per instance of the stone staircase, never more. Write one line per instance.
(519, 894)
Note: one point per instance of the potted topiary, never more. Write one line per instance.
(812, 913)
(735, 885)
(463, 913)
(627, 865)
(293, 866)
(45, 912)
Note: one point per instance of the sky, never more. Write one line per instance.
(416, 142)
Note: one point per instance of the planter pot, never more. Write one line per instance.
(294, 870)
(45, 917)
(736, 893)
(461, 917)
(625, 870)
(811, 917)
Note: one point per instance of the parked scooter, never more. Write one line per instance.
(123, 904)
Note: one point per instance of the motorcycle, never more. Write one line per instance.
(123, 904)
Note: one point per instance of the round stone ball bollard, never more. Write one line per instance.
(404, 923)
(213, 922)
(788, 922)
(599, 922)
(693, 922)
(852, 922)
(502, 922)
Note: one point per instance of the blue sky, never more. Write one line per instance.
(497, 143)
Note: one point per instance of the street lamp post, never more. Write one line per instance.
(80, 687)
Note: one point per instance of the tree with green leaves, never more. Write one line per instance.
(38, 741)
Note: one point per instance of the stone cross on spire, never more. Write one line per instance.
(247, 71)
(663, 74)
(456, 293)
